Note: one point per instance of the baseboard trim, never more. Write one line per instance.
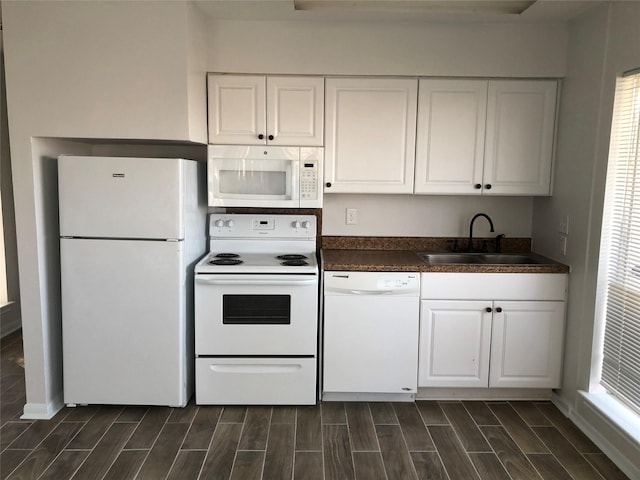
(429, 393)
(606, 442)
(10, 319)
(367, 397)
(42, 411)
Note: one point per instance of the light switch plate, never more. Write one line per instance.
(563, 244)
(564, 225)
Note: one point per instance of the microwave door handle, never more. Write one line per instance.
(256, 282)
(294, 172)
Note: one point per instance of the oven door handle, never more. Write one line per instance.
(257, 281)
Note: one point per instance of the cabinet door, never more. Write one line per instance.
(370, 344)
(236, 109)
(450, 138)
(295, 111)
(454, 343)
(526, 344)
(519, 140)
(370, 135)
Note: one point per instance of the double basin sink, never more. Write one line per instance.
(463, 258)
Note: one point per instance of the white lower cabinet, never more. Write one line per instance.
(526, 344)
(510, 335)
(454, 344)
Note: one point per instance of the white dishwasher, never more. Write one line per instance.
(371, 322)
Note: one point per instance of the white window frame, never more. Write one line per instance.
(607, 401)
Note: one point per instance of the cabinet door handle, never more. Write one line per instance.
(261, 136)
(270, 137)
(499, 309)
(477, 186)
(487, 186)
(488, 309)
(328, 184)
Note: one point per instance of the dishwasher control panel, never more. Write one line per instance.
(373, 283)
(395, 282)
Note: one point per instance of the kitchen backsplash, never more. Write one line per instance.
(509, 245)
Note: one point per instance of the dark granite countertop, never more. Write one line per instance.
(408, 261)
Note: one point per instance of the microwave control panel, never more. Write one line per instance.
(309, 180)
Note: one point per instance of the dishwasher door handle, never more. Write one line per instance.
(361, 292)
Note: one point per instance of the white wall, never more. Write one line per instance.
(9, 314)
(387, 48)
(397, 48)
(602, 45)
(99, 69)
(40, 286)
(426, 215)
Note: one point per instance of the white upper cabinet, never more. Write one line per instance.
(485, 137)
(370, 135)
(237, 109)
(295, 111)
(519, 140)
(259, 110)
(450, 139)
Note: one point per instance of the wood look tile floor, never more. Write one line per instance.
(365, 441)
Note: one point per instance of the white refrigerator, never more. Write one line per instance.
(131, 231)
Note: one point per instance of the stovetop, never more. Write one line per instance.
(258, 262)
(246, 243)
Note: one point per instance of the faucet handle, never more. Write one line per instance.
(498, 245)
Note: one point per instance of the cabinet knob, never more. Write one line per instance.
(488, 309)
(487, 186)
(499, 309)
(261, 136)
(477, 186)
(328, 184)
(270, 137)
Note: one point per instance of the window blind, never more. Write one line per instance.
(621, 244)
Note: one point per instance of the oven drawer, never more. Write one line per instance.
(256, 381)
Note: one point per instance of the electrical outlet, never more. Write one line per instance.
(351, 216)
(564, 225)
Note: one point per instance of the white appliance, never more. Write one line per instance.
(131, 230)
(256, 311)
(371, 323)
(271, 177)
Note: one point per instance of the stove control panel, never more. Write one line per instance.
(263, 224)
(246, 226)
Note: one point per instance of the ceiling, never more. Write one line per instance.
(437, 11)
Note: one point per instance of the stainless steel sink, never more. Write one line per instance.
(511, 259)
(456, 258)
(462, 258)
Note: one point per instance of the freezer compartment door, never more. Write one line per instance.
(256, 381)
(124, 327)
(118, 197)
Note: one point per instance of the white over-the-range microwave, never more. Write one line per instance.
(268, 177)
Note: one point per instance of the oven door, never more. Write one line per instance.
(245, 314)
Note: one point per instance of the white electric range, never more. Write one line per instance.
(256, 311)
